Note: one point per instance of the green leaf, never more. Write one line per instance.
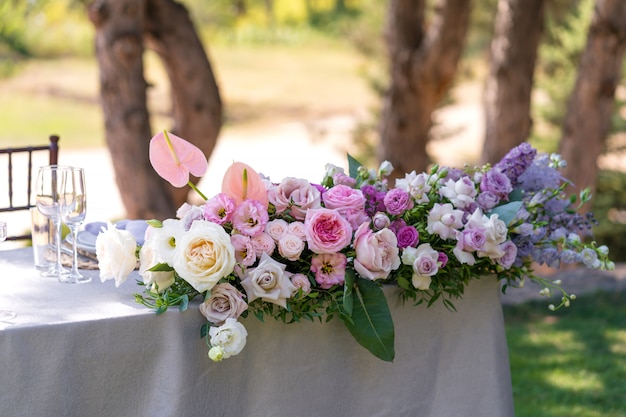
(372, 325)
(162, 267)
(184, 303)
(353, 166)
(155, 223)
(507, 212)
(348, 298)
(204, 330)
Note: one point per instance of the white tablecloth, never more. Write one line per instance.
(90, 350)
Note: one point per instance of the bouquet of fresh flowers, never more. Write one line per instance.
(294, 250)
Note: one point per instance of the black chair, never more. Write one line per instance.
(27, 203)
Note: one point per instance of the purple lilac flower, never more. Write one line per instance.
(569, 256)
(551, 257)
(496, 182)
(373, 200)
(540, 175)
(516, 161)
(407, 236)
(397, 201)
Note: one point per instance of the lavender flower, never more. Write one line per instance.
(516, 161)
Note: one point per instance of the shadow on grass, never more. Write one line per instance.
(571, 362)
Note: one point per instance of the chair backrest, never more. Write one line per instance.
(27, 151)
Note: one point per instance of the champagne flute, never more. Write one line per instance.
(5, 314)
(73, 204)
(49, 180)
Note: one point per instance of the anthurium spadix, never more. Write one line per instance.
(174, 158)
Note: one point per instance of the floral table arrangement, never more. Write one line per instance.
(294, 250)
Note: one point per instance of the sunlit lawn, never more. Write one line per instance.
(571, 363)
(258, 85)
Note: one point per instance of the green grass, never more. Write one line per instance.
(260, 86)
(569, 363)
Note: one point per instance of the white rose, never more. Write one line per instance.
(204, 255)
(268, 281)
(153, 279)
(115, 250)
(230, 337)
(225, 302)
(290, 247)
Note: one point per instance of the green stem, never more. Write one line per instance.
(193, 187)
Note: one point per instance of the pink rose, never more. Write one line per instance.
(225, 302)
(263, 243)
(342, 197)
(326, 231)
(290, 247)
(294, 195)
(329, 269)
(277, 228)
(376, 252)
(297, 228)
(301, 281)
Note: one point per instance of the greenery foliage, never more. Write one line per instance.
(571, 362)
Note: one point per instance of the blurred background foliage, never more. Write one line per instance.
(53, 30)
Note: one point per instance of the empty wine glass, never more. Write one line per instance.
(49, 181)
(73, 211)
(5, 314)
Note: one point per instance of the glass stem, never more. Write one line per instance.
(57, 243)
(74, 230)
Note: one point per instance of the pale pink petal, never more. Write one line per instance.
(233, 186)
(176, 168)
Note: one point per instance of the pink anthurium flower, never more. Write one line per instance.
(174, 158)
(241, 182)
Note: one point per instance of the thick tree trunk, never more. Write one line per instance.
(119, 48)
(518, 29)
(422, 67)
(121, 27)
(588, 118)
(197, 107)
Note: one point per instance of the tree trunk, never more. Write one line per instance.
(422, 67)
(197, 107)
(588, 118)
(121, 26)
(518, 29)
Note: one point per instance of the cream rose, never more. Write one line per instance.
(268, 281)
(115, 250)
(230, 337)
(290, 247)
(225, 302)
(204, 255)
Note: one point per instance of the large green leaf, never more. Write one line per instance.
(507, 212)
(372, 325)
(348, 297)
(353, 166)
